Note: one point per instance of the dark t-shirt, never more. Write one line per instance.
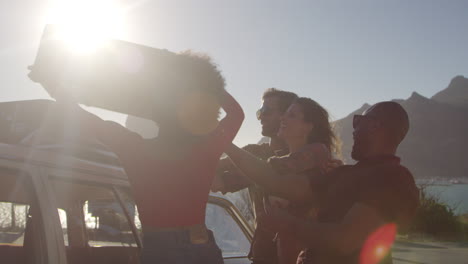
(381, 183)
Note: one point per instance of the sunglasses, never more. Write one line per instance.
(264, 111)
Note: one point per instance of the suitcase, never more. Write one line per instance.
(120, 76)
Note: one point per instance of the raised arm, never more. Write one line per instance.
(231, 123)
(111, 134)
(116, 137)
(229, 126)
(291, 187)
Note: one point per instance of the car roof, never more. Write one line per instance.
(17, 157)
(19, 120)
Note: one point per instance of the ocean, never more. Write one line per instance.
(454, 195)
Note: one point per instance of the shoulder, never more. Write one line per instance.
(263, 151)
(394, 174)
(393, 192)
(396, 181)
(314, 155)
(403, 179)
(316, 149)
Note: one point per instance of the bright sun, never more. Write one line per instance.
(86, 24)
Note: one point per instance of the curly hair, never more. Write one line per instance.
(319, 117)
(194, 102)
(185, 78)
(200, 65)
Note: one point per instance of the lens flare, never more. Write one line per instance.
(378, 244)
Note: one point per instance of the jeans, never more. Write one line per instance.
(175, 247)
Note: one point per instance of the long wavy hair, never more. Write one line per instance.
(323, 130)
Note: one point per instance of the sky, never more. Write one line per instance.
(340, 53)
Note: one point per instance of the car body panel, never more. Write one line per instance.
(41, 166)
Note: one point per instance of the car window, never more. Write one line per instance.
(13, 218)
(107, 225)
(228, 235)
(95, 226)
(63, 224)
(19, 228)
(97, 210)
(127, 198)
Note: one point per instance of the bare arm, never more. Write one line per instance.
(227, 128)
(344, 237)
(294, 188)
(229, 178)
(231, 123)
(113, 135)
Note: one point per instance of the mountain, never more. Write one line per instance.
(436, 145)
(455, 94)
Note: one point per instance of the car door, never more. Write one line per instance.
(95, 228)
(23, 227)
(232, 233)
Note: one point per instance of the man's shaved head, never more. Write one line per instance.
(379, 130)
(393, 118)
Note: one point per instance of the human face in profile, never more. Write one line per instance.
(270, 116)
(365, 134)
(293, 126)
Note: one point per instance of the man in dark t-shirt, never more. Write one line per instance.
(361, 206)
(379, 185)
(230, 179)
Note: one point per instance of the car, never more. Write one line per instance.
(67, 200)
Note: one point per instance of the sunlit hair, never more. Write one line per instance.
(322, 132)
(207, 75)
(285, 98)
(195, 102)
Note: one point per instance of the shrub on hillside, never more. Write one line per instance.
(436, 218)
